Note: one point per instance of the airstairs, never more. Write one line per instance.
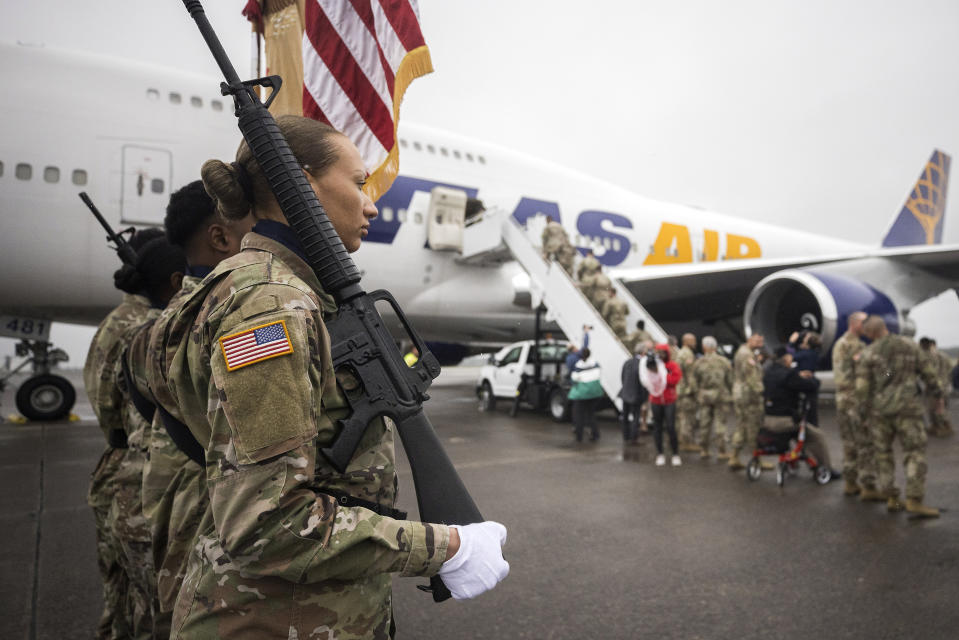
(497, 237)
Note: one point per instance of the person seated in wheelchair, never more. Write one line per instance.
(783, 386)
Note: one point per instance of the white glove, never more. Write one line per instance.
(478, 565)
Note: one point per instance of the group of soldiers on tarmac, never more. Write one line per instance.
(883, 390)
(148, 496)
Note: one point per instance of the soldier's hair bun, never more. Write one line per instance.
(222, 183)
(128, 279)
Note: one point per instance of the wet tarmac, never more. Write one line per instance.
(602, 543)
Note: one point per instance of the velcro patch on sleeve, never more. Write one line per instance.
(255, 345)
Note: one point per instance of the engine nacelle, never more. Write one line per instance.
(795, 299)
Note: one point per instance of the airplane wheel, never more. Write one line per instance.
(487, 401)
(754, 469)
(46, 397)
(558, 405)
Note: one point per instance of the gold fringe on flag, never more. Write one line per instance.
(415, 63)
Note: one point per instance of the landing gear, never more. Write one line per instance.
(44, 396)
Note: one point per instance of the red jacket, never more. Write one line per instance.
(673, 376)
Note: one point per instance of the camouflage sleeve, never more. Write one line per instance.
(863, 379)
(271, 514)
(108, 403)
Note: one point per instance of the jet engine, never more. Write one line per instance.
(821, 298)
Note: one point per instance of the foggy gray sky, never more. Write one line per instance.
(815, 114)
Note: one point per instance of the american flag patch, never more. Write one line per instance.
(259, 343)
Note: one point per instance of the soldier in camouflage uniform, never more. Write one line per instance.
(859, 466)
(685, 399)
(711, 382)
(99, 378)
(294, 549)
(886, 378)
(588, 267)
(600, 291)
(173, 486)
(556, 245)
(614, 312)
(747, 397)
(639, 335)
(161, 266)
(939, 425)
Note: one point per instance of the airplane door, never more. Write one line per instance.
(147, 176)
(507, 375)
(446, 219)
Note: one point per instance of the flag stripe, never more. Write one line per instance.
(404, 21)
(348, 74)
(361, 44)
(260, 354)
(365, 14)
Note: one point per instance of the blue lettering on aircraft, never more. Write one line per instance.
(590, 223)
(529, 207)
(593, 224)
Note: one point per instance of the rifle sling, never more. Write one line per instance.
(144, 407)
(182, 437)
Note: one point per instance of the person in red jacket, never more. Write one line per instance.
(660, 375)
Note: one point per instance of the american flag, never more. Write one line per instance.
(253, 345)
(358, 59)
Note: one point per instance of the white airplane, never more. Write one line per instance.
(129, 134)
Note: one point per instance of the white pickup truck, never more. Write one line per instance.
(502, 377)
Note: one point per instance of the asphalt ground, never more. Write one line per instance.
(602, 543)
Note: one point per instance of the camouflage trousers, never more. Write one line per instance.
(131, 533)
(858, 449)
(686, 419)
(749, 417)
(912, 438)
(939, 424)
(711, 420)
(618, 325)
(113, 623)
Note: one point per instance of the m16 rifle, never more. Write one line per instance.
(127, 254)
(374, 377)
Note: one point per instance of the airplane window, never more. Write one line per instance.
(431, 148)
(469, 156)
(1, 169)
(175, 98)
(153, 94)
(482, 160)
(418, 218)
(417, 146)
(79, 177)
(387, 214)
(217, 105)
(616, 244)
(456, 154)
(401, 215)
(404, 143)
(196, 101)
(444, 151)
(24, 171)
(51, 174)
(156, 185)
(607, 244)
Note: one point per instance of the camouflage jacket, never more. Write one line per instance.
(589, 266)
(845, 355)
(554, 237)
(712, 379)
(282, 558)
(174, 487)
(99, 371)
(614, 307)
(888, 374)
(747, 376)
(686, 358)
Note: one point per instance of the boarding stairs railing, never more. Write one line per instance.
(551, 286)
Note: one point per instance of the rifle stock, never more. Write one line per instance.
(365, 355)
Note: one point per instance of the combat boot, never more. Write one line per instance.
(919, 510)
(871, 494)
(704, 454)
(690, 447)
(893, 505)
(851, 488)
(734, 464)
